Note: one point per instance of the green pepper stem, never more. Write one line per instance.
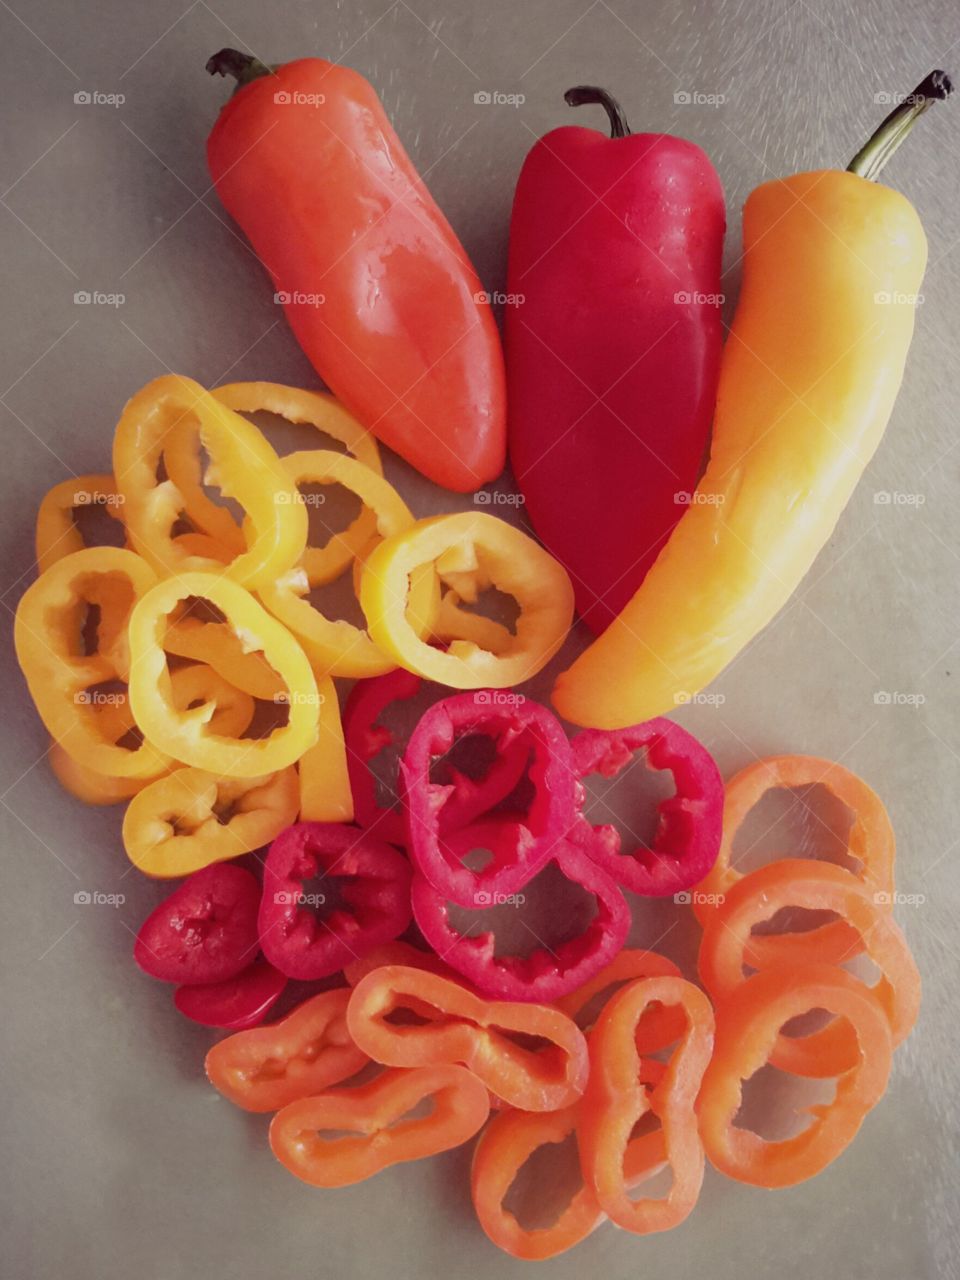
(585, 94)
(243, 66)
(883, 142)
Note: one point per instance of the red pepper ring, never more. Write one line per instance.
(661, 1025)
(871, 841)
(237, 1003)
(544, 975)
(378, 1114)
(615, 1099)
(205, 931)
(817, 886)
(689, 822)
(309, 1050)
(365, 739)
(374, 892)
(748, 1025)
(455, 1025)
(550, 814)
(508, 1142)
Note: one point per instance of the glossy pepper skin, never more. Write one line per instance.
(614, 352)
(832, 265)
(307, 162)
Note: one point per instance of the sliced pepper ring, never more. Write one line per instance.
(187, 735)
(547, 973)
(615, 1099)
(49, 645)
(304, 1053)
(57, 533)
(219, 646)
(748, 1026)
(337, 646)
(383, 1132)
(871, 841)
(176, 413)
(322, 411)
(522, 847)
(817, 886)
(689, 822)
(175, 825)
(469, 550)
(469, 1029)
(661, 1025)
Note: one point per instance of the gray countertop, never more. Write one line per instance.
(119, 1160)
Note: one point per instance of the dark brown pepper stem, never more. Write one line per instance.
(587, 94)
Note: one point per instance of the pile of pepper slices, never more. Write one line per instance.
(190, 674)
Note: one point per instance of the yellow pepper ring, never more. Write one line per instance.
(57, 533)
(469, 550)
(218, 645)
(187, 735)
(243, 465)
(325, 793)
(338, 647)
(86, 784)
(323, 564)
(176, 825)
(49, 645)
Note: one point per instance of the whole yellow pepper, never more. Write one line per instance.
(832, 265)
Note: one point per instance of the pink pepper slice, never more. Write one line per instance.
(546, 974)
(518, 725)
(366, 739)
(205, 931)
(237, 1003)
(363, 899)
(690, 823)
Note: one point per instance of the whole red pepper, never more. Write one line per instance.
(377, 288)
(613, 345)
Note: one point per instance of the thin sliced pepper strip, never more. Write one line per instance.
(748, 1025)
(816, 886)
(243, 465)
(304, 1053)
(57, 533)
(322, 411)
(470, 550)
(325, 794)
(871, 841)
(219, 646)
(174, 826)
(186, 735)
(49, 645)
(615, 1100)
(86, 784)
(505, 1145)
(689, 823)
(548, 972)
(473, 1031)
(660, 1026)
(335, 645)
(379, 1114)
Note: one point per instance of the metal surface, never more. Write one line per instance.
(119, 1160)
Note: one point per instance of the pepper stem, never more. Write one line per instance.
(244, 66)
(883, 142)
(585, 94)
